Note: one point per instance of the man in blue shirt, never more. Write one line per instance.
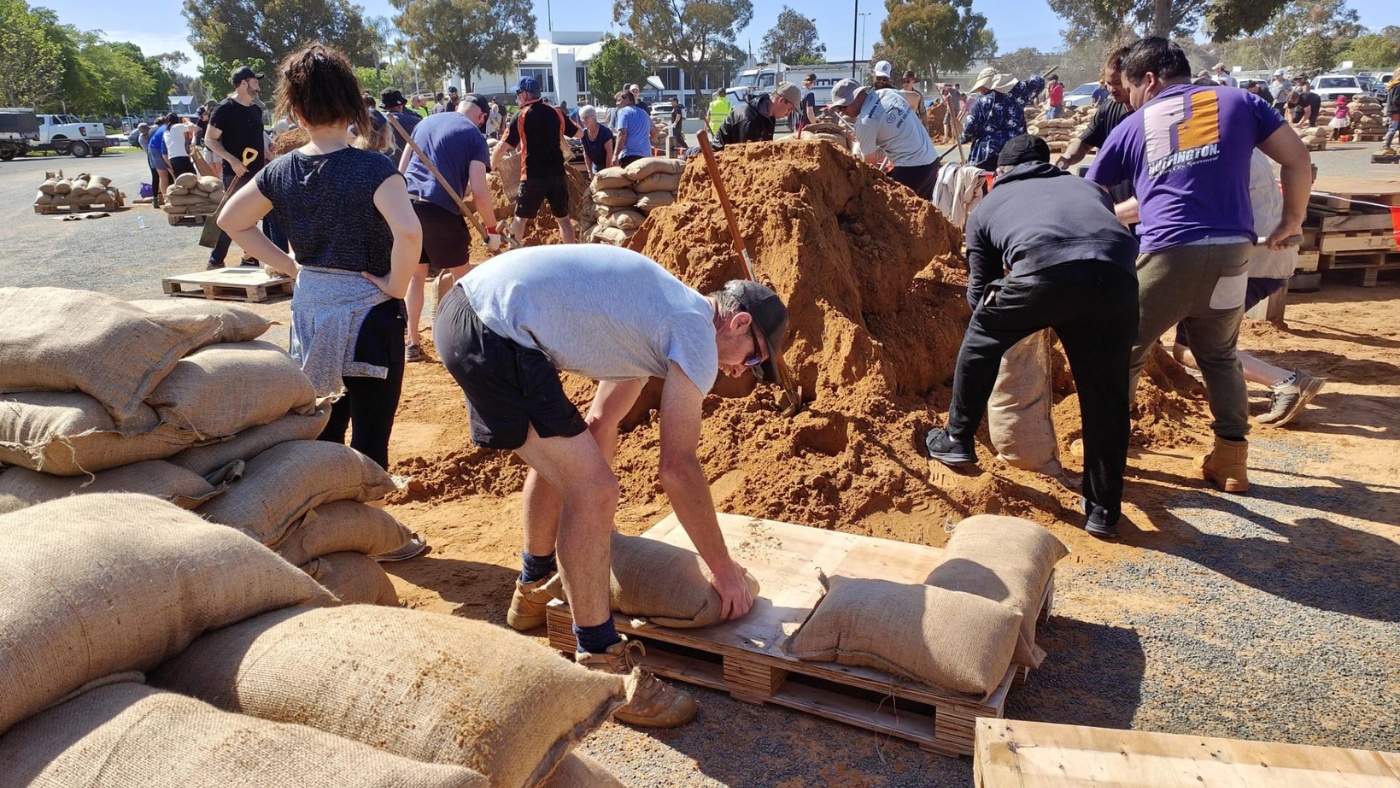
(633, 130)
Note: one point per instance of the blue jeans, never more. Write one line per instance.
(1390, 132)
(1054, 112)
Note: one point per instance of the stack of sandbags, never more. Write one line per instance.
(834, 133)
(1315, 137)
(624, 196)
(1366, 114)
(194, 195)
(1057, 132)
(83, 192)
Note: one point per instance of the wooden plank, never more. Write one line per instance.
(1354, 222)
(1331, 243)
(1038, 755)
(1307, 262)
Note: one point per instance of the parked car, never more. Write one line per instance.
(64, 134)
(19, 128)
(1082, 96)
(661, 110)
(1382, 80)
(1329, 86)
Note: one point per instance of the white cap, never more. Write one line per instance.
(883, 69)
(1278, 73)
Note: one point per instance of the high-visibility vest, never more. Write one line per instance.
(719, 110)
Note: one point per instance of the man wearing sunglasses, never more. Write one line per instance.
(507, 329)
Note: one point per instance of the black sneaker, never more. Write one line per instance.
(1098, 522)
(943, 448)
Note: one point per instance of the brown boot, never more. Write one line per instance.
(651, 702)
(527, 605)
(1226, 465)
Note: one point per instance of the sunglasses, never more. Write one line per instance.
(757, 357)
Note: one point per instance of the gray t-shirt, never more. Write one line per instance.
(887, 123)
(599, 311)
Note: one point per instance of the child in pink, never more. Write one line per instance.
(1341, 120)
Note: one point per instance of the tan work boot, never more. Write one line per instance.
(1226, 465)
(651, 702)
(527, 605)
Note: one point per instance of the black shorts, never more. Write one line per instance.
(626, 160)
(446, 241)
(535, 191)
(181, 165)
(508, 387)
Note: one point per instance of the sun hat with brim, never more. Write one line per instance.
(771, 318)
(991, 79)
(845, 93)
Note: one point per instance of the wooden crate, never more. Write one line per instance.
(746, 658)
(1041, 754)
(243, 283)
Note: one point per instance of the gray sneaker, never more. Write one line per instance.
(1288, 401)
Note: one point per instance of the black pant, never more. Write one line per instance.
(220, 250)
(1093, 308)
(921, 178)
(370, 404)
(179, 165)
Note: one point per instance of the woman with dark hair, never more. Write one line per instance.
(347, 214)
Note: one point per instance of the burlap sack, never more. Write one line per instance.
(611, 235)
(931, 635)
(67, 434)
(21, 487)
(577, 770)
(660, 582)
(237, 323)
(187, 180)
(210, 183)
(63, 186)
(43, 199)
(1019, 411)
(615, 197)
(177, 191)
(100, 584)
(49, 186)
(223, 389)
(611, 178)
(654, 200)
(128, 734)
(354, 578)
(643, 168)
(435, 688)
(1007, 560)
(185, 200)
(53, 339)
(659, 182)
(253, 441)
(627, 220)
(290, 479)
(337, 527)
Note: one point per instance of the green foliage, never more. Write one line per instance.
(1372, 51)
(216, 76)
(467, 36)
(793, 40)
(1025, 61)
(933, 36)
(696, 35)
(30, 59)
(268, 30)
(617, 63)
(1313, 54)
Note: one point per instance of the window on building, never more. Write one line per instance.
(581, 76)
(670, 77)
(544, 75)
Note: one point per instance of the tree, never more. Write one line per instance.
(1326, 24)
(793, 40)
(617, 63)
(934, 36)
(118, 69)
(30, 60)
(1372, 51)
(689, 33)
(216, 76)
(1025, 61)
(269, 30)
(468, 36)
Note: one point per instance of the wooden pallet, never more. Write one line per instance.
(249, 284)
(1368, 136)
(197, 219)
(746, 658)
(44, 210)
(1041, 754)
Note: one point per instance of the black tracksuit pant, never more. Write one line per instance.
(1093, 308)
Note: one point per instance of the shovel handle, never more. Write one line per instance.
(712, 167)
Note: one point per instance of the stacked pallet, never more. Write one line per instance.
(82, 193)
(193, 197)
(623, 196)
(1349, 230)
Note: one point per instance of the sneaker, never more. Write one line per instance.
(1097, 520)
(1288, 401)
(651, 702)
(413, 353)
(250, 262)
(416, 546)
(213, 266)
(943, 448)
(528, 603)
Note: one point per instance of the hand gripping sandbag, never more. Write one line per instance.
(434, 688)
(100, 584)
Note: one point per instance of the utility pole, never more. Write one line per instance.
(863, 18)
(855, 20)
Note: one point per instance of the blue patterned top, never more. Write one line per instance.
(995, 118)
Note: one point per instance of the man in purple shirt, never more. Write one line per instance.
(1187, 150)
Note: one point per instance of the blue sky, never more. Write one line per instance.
(158, 26)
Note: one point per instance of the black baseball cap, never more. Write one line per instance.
(769, 315)
(480, 102)
(1023, 149)
(243, 73)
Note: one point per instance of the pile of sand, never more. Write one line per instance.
(505, 189)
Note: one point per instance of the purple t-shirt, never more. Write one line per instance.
(1187, 153)
(452, 143)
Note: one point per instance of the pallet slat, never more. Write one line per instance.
(247, 284)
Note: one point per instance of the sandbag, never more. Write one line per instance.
(210, 183)
(187, 180)
(1019, 411)
(643, 168)
(68, 434)
(577, 770)
(660, 582)
(63, 186)
(55, 339)
(43, 199)
(354, 578)
(253, 441)
(611, 178)
(658, 182)
(177, 191)
(220, 390)
(615, 197)
(336, 527)
(1006, 560)
(100, 584)
(282, 484)
(49, 186)
(627, 220)
(237, 323)
(927, 634)
(431, 687)
(653, 200)
(21, 487)
(185, 200)
(128, 734)
(611, 235)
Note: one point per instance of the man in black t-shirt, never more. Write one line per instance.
(538, 131)
(393, 102)
(1106, 117)
(235, 128)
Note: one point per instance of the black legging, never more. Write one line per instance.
(179, 165)
(370, 403)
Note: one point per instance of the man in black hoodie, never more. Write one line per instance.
(1071, 268)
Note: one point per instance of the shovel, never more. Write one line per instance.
(209, 236)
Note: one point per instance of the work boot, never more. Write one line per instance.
(527, 605)
(1287, 399)
(1226, 465)
(651, 702)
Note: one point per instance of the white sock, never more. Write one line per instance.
(1288, 381)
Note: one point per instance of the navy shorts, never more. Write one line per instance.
(508, 387)
(446, 242)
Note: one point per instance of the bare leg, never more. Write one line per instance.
(566, 229)
(1255, 370)
(517, 226)
(414, 302)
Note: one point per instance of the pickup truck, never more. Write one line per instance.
(19, 129)
(65, 134)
